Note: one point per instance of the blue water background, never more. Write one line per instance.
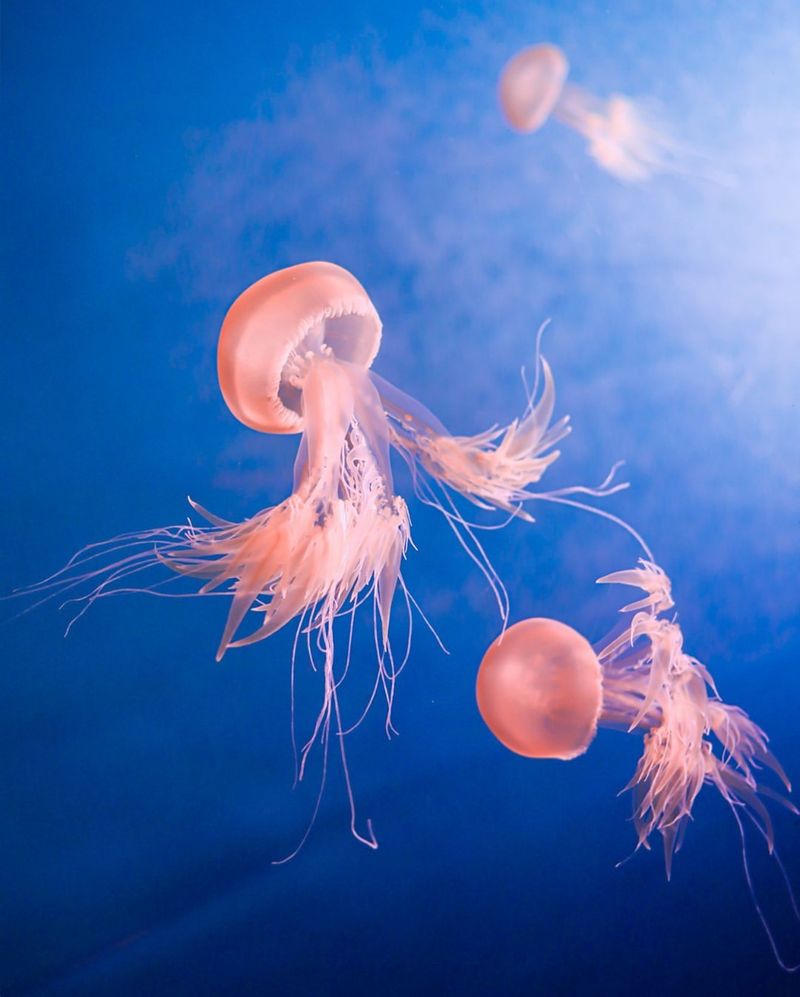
(159, 157)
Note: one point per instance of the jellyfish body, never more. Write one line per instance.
(531, 85)
(294, 356)
(543, 692)
(539, 690)
(621, 138)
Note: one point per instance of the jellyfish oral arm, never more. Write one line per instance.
(328, 413)
(580, 110)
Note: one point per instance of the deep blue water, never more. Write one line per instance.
(157, 158)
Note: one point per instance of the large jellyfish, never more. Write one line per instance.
(294, 356)
(543, 691)
(621, 137)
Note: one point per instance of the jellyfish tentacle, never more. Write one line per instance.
(786, 967)
(494, 468)
(673, 696)
(671, 686)
(648, 576)
(620, 136)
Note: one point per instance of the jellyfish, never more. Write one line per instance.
(543, 691)
(621, 137)
(294, 356)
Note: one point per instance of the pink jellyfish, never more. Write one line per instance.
(543, 691)
(621, 139)
(294, 356)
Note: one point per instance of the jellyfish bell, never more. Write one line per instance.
(530, 86)
(281, 317)
(539, 690)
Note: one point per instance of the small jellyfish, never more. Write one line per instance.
(294, 356)
(621, 137)
(542, 690)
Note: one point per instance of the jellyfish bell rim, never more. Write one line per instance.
(523, 119)
(268, 322)
(592, 708)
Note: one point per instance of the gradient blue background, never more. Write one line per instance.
(157, 158)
